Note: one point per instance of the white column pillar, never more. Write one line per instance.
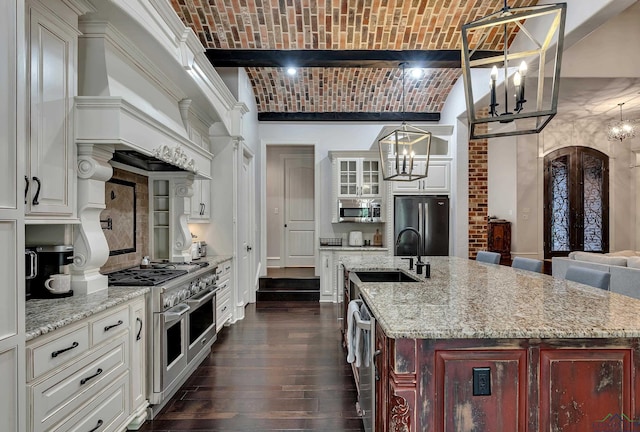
(636, 191)
(91, 250)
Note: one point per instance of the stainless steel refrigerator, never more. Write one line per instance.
(429, 215)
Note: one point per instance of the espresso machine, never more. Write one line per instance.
(43, 261)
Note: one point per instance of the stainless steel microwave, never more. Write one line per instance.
(359, 210)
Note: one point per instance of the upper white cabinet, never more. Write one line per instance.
(12, 128)
(357, 177)
(201, 199)
(50, 179)
(438, 180)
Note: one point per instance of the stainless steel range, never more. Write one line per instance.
(182, 318)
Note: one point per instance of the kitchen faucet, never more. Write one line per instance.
(418, 248)
(419, 263)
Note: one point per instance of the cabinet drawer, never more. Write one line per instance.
(223, 270)
(57, 397)
(104, 413)
(223, 286)
(52, 354)
(223, 308)
(224, 300)
(110, 325)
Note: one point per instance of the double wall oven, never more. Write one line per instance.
(182, 303)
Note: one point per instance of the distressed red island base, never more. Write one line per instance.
(480, 347)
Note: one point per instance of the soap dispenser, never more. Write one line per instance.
(144, 264)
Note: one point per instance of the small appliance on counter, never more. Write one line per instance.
(355, 238)
(48, 265)
(203, 249)
(195, 250)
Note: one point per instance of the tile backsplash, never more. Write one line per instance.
(126, 260)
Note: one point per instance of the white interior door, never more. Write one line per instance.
(245, 224)
(299, 225)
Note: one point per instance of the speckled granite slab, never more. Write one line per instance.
(46, 315)
(466, 299)
(355, 248)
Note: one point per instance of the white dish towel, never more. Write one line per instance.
(352, 329)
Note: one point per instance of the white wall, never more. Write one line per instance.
(502, 177)
(324, 137)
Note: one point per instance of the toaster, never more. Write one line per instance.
(355, 238)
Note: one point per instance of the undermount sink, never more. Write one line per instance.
(385, 276)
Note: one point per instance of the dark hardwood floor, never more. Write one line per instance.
(282, 368)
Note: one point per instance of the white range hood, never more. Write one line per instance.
(130, 103)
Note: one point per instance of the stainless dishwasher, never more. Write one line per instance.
(367, 373)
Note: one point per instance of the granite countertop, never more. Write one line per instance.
(467, 299)
(46, 315)
(354, 248)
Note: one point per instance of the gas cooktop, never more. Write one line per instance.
(143, 277)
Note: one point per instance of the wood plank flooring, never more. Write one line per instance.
(282, 368)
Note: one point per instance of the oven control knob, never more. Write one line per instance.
(184, 294)
(203, 284)
(166, 303)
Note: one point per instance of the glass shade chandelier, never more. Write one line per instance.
(522, 62)
(404, 153)
(623, 129)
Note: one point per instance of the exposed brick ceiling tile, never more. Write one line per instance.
(341, 25)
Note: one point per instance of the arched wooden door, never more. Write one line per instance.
(576, 201)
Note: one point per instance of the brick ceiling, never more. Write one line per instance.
(340, 25)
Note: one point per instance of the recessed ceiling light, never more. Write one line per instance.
(291, 71)
(416, 72)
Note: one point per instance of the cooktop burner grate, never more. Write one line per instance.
(143, 277)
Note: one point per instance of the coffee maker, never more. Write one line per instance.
(43, 261)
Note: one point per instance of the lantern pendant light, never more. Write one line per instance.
(532, 41)
(404, 153)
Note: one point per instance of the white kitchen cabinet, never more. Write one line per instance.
(200, 202)
(327, 286)
(438, 180)
(90, 373)
(201, 199)
(330, 287)
(358, 177)
(224, 297)
(138, 365)
(12, 137)
(50, 176)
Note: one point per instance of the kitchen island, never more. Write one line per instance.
(480, 347)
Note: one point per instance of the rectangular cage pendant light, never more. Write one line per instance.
(521, 94)
(404, 153)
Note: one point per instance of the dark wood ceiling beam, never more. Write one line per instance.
(349, 116)
(339, 58)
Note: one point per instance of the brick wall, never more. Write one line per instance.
(478, 195)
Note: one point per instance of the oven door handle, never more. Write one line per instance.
(200, 298)
(175, 313)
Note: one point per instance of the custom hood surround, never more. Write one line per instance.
(138, 100)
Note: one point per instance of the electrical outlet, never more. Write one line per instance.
(481, 381)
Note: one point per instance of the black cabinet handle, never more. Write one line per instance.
(57, 353)
(204, 206)
(100, 422)
(83, 381)
(140, 330)
(26, 188)
(109, 327)
(35, 198)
